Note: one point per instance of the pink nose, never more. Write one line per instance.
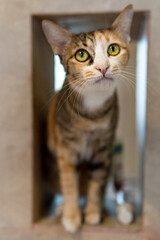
(103, 70)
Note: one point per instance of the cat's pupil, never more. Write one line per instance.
(81, 54)
(112, 48)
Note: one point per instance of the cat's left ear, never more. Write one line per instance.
(57, 36)
(122, 24)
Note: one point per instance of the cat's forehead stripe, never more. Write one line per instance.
(100, 36)
(83, 37)
(89, 39)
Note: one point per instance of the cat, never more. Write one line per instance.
(83, 116)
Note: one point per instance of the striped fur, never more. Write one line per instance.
(83, 116)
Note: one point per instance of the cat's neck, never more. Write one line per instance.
(94, 99)
(91, 102)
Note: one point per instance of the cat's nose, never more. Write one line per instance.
(103, 70)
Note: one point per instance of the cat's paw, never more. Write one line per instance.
(93, 218)
(72, 221)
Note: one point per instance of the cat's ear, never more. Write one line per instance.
(122, 23)
(57, 36)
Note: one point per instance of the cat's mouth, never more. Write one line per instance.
(104, 79)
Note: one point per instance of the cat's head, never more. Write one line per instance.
(93, 59)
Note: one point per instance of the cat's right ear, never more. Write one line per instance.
(57, 36)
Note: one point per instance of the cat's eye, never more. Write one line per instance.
(113, 49)
(82, 55)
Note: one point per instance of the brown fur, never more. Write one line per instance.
(76, 132)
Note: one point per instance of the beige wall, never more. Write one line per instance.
(16, 119)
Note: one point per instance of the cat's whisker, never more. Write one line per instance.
(126, 80)
(150, 90)
(54, 94)
(150, 86)
(46, 104)
(67, 86)
(133, 78)
(128, 77)
(61, 104)
(131, 67)
(130, 92)
(77, 84)
(129, 73)
(72, 90)
(78, 95)
(81, 93)
(130, 81)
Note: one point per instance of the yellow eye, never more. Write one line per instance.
(82, 55)
(113, 49)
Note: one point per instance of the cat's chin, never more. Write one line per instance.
(97, 83)
(101, 85)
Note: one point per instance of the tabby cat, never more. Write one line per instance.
(83, 116)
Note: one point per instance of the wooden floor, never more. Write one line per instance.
(50, 229)
(56, 232)
(86, 233)
(109, 224)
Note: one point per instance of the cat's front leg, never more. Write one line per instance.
(93, 207)
(71, 218)
(99, 171)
